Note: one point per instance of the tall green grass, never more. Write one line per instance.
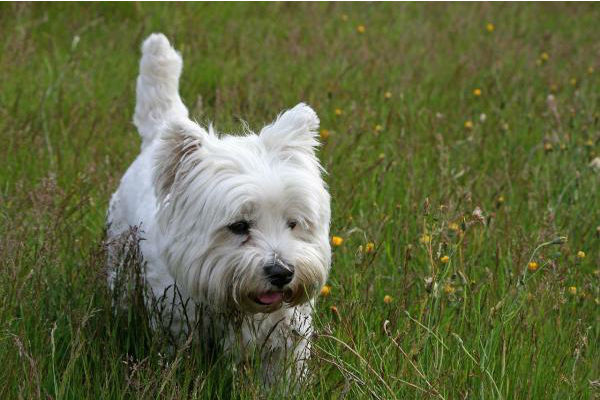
(491, 195)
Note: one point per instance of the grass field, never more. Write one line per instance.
(443, 150)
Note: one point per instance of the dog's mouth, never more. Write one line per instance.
(269, 298)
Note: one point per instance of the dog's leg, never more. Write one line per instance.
(158, 99)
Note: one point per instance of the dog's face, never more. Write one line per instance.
(244, 220)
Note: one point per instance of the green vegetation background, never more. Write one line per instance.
(418, 165)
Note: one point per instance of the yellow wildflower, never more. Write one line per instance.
(378, 128)
(324, 134)
(477, 92)
(425, 238)
(369, 247)
(338, 111)
(490, 27)
(361, 29)
(590, 70)
(468, 124)
(500, 199)
(532, 266)
(573, 290)
(454, 227)
(449, 289)
(544, 56)
(573, 81)
(387, 299)
(445, 259)
(337, 241)
(325, 290)
(548, 147)
(387, 95)
(580, 254)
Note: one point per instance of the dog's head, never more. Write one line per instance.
(244, 220)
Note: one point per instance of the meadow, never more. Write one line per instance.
(461, 145)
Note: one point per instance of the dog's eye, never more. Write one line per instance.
(292, 224)
(240, 227)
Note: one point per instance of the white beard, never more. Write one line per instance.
(186, 191)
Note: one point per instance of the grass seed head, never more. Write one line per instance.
(335, 311)
(530, 296)
(559, 240)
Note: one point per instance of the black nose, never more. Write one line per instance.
(278, 273)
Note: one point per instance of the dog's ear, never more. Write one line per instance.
(294, 130)
(177, 153)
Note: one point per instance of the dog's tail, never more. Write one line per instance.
(157, 99)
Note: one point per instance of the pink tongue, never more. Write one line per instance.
(270, 297)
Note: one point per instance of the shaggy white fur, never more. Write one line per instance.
(237, 224)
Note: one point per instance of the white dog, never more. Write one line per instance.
(237, 224)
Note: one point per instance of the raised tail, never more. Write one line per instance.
(157, 98)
